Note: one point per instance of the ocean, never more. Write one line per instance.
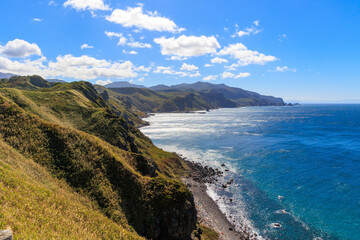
(296, 166)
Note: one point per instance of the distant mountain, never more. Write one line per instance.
(55, 80)
(123, 84)
(160, 87)
(238, 96)
(195, 86)
(188, 97)
(6, 75)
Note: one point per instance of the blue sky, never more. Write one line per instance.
(302, 50)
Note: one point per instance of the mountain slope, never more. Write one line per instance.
(187, 97)
(6, 75)
(123, 84)
(38, 206)
(77, 137)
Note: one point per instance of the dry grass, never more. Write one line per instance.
(37, 206)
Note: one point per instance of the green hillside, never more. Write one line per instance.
(69, 156)
(186, 97)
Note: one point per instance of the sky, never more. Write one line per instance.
(300, 50)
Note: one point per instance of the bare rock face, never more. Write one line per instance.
(6, 234)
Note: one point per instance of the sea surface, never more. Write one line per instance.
(297, 166)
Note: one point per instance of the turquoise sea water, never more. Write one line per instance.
(297, 166)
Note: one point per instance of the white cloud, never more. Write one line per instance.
(135, 17)
(83, 67)
(188, 67)
(37, 19)
(139, 45)
(249, 30)
(52, 3)
(232, 67)
(208, 65)
(225, 75)
(218, 60)
(86, 4)
(171, 71)
(242, 75)
(177, 58)
(19, 48)
(187, 46)
(113, 34)
(123, 40)
(210, 78)
(87, 68)
(130, 52)
(22, 67)
(144, 69)
(84, 46)
(244, 56)
(102, 83)
(285, 69)
(197, 74)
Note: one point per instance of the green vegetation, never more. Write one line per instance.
(69, 155)
(186, 97)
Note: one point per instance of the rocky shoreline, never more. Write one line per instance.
(208, 210)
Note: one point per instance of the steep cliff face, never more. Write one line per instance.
(79, 138)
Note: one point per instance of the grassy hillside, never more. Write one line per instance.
(88, 153)
(142, 100)
(186, 97)
(38, 206)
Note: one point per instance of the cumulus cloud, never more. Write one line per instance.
(144, 69)
(139, 45)
(22, 67)
(218, 60)
(225, 75)
(249, 30)
(102, 82)
(84, 46)
(285, 69)
(208, 65)
(124, 41)
(19, 48)
(83, 67)
(87, 68)
(187, 46)
(113, 34)
(130, 52)
(177, 58)
(210, 78)
(86, 5)
(245, 56)
(188, 67)
(242, 75)
(171, 71)
(135, 17)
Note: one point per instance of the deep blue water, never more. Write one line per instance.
(304, 160)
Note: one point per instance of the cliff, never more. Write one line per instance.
(72, 165)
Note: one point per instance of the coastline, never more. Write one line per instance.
(208, 211)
